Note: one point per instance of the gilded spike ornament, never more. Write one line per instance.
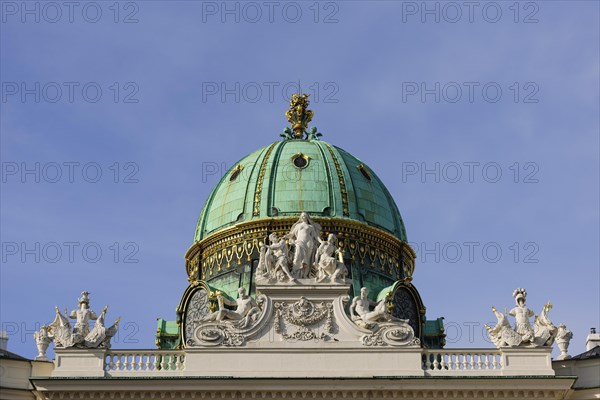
(299, 115)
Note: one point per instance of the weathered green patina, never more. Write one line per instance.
(269, 183)
(305, 174)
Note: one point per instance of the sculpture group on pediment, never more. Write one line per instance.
(304, 235)
(367, 313)
(81, 336)
(329, 262)
(376, 317)
(273, 263)
(301, 254)
(542, 333)
(232, 323)
(246, 308)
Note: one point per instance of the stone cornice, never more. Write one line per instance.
(371, 388)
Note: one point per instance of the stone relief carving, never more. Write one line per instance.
(301, 315)
(81, 336)
(542, 333)
(197, 310)
(317, 314)
(405, 307)
(392, 334)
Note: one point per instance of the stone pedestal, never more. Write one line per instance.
(308, 288)
(527, 361)
(79, 362)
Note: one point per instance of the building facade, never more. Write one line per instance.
(301, 285)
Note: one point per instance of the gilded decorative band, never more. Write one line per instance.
(259, 181)
(340, 175)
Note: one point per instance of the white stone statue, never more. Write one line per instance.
(502, 335)
(363, 316)
(81, 336)
(544, 329)
(244, 305)
(265, 262)
(304, 235)
(61, 331)
(275, 259)
(542, 333)
(329, 262)
(563, 339)
(42, 341)
(100, 336)
(522, 315)
(83, 315)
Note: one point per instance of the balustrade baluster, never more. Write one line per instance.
(111, 363)
(459, 360)
(174, 361)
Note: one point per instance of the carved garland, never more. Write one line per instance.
(301, 315)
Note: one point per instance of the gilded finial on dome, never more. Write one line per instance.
(299, 115)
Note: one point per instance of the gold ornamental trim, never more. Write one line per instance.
(235, 172)
(300, 156)
(241, 243)
(340, 175)
(259, 181)
(363, 170)
(299, 115)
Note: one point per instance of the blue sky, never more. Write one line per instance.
(391, 83)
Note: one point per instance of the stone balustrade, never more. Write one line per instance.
(245, 362)
(130, 362)
(462, 362)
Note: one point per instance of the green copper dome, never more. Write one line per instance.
(290, 176)
(264, 194)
